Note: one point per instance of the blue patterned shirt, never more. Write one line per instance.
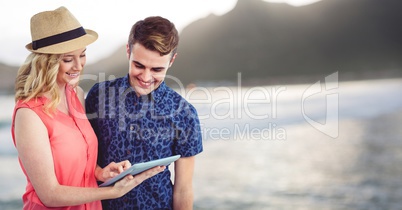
(140, 129)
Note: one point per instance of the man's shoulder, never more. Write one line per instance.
(112, 83)
(102, 88)
(178, 99)
(175, 96)
(172, 93)
(107, 84)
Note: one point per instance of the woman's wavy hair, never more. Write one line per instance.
(38, 76)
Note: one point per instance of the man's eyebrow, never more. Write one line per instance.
(158, 68)
(138, 63)
(153, 68)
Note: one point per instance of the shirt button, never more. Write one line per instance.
(128, 152)
(131, 127)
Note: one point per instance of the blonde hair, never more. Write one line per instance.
(38, 76)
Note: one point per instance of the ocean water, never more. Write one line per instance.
(320, 146)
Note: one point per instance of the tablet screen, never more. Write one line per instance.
(140, 167)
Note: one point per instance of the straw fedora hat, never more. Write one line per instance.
(58, 32)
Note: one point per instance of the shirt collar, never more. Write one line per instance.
(156, 95)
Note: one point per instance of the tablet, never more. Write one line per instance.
(140, 167)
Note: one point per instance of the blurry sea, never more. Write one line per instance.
(324, 146)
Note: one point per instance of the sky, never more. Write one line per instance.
(112, 20)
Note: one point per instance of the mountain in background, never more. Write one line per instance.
(266, 42)
(7, 75)
(272, 43)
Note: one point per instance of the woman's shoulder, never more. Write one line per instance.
(30, 109)
(32, 103)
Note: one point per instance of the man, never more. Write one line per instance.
(139, 118)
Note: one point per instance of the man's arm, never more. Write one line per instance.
(183, 183)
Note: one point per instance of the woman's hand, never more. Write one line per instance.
(111, 170)
(129, 182)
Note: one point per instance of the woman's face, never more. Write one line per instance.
(71, 66)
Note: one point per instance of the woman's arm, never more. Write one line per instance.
(34, 151)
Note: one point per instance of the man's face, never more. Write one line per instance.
(147, 69)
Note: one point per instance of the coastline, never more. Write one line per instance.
(309, 170)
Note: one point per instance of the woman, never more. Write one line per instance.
(56, 145)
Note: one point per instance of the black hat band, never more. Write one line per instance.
(58, 38)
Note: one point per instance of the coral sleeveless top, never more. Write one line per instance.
(74, 148)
